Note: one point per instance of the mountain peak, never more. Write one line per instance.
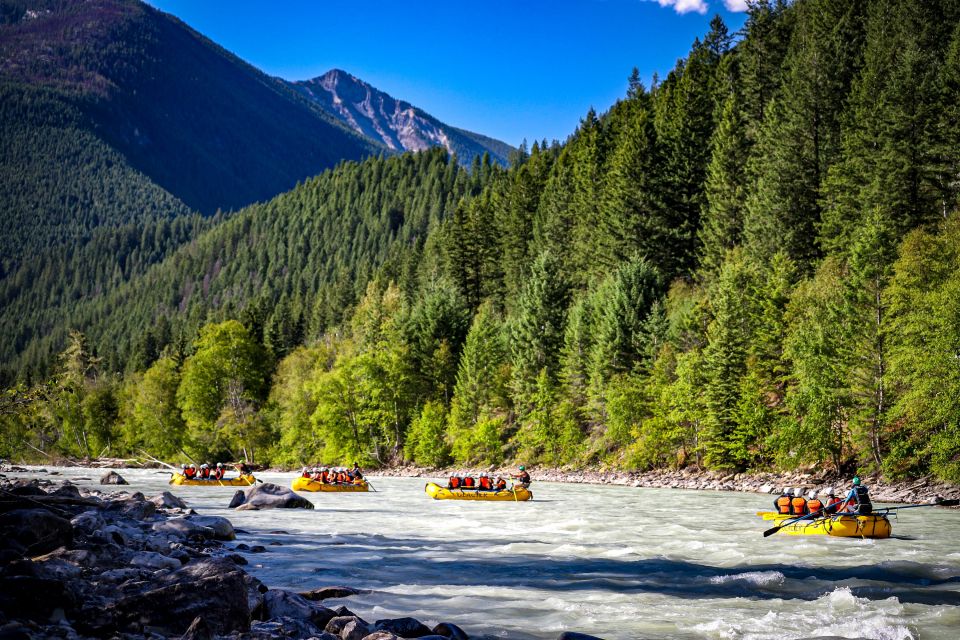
(395, 123)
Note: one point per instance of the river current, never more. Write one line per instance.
(615, 562)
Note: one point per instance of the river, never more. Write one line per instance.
(615, 562)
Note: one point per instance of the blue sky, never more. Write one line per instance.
(511, 69)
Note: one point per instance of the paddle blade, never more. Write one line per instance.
(770, 532)
(948, 503)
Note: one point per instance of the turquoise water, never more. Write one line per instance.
(616, 562)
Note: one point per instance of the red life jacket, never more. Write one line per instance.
(783, 505)
(218, 473)
(798, 506)
(305, 474)
(454, 482)
(833, 503)
(205, 473)
(341, 477)
(190, 472)
(468, 483)
(485, 483)
(501, 484)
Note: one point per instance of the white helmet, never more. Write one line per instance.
(798, 492)
(219, 465)
(812, 494)
(183, 466)
(204, 466)
(828, 491)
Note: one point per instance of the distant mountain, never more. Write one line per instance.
(113, 111)
(396, 124)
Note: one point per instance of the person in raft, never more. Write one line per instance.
(243, 469)
(857, 501)
(355, 472)
(782, 504)
(798, 505)
(485, 483)
(522, 477)
(832, 502)
(500, 484)
(453, 482)
(189, 471)
(218, 471)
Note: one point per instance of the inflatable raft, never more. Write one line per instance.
(437, 492)
(836, 525)
(240, 481)
(307, 484)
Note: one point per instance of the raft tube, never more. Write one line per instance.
(837, 525)
(240, 481)
(308, 484)
(437, 492)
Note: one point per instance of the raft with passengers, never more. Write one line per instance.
(463, 486)
(212, 476)
(853, 516)
(331, 479)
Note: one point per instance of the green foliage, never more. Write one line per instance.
(426, 444)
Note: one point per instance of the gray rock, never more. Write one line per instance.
(154, 561)
(337, 623)
(112, 477)
(381, 635)
(68, 490)
(116, 576)
(198, 630)
(450, 630)
(271, 496)
(167, 500)
(88, 521)
(183, 528)
(325, 593)
(284, 627)
(56, 569)
(238, 499)
(36, 530)
(356, 629)
(222, 528)
(404, 627)
(278, 603)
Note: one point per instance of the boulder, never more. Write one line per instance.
(210, 588)
(32, 598)
(404, 627)
(198, 630)
(271, 496)
(68, 490)
(167, 500)
(288, 628)
(337, 624)
(238, 499)
(154, 561)
(450, 630)
(573, 635)
(112, 477)
(183, 528)
(222, 528)
(325, 593)
(278, 603)
(88, 521)
(356, 629)
(381, 635)
(37, 531)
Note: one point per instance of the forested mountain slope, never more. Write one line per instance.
(396, 124)
(752, 264)
(115, 112)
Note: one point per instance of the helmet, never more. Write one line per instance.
(828, 491)
(798, 492)
(219, 465)
(183, 466)
(522, 468)
(204, 466)
(193, 466)
(812, 494)
(856, 481)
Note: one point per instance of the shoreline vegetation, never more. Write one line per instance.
(917, 490)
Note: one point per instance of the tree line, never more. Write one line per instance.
(750, 264)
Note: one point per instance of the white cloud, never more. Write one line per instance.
(685, 6)
(736, 5)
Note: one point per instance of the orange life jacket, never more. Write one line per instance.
(833, 503)
(454, 482)
(485, 483)
(468, 483)
(814, 505)
(324, 477)
(799, 506)
(783, 505)
(501, 484)
(341, 477)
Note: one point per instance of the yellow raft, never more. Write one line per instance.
(837, 525)
(307, 484)
(437, 492)
(241, 481)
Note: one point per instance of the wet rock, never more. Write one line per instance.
(210, 588)
(278, 603)
(167, 500)
(222, 528)
(405, 627)
(236, 558)
(258, 548)
(88, 521)
(381, 635)
(36, 530)
(32, 598)
(450, 630)
(242, 547)
(325, 593)
(183, 528)
(68, 490)
(338, 623)
(238, 499)
(112, 477)
(136, 509)
(573, 635)
(271, 496)
(343, 612)
(356, 629)
(155, 561)
(286, 628)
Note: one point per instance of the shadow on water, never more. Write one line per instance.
(432, 563)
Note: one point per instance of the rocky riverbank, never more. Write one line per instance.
(916, 491)
(80, 564)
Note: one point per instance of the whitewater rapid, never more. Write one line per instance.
(611, 561)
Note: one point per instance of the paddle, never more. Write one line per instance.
(370, 485)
